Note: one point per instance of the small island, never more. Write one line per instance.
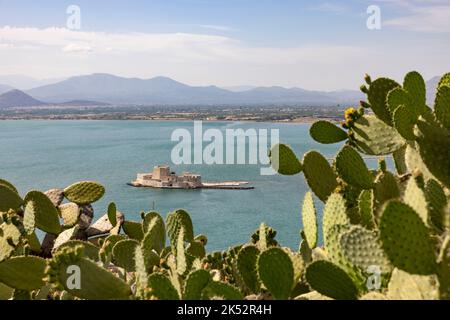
(163, 178)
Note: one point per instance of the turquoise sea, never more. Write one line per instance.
(53, 154)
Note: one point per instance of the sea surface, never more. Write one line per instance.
(54, 154)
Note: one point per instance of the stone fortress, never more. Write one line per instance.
(163, 178)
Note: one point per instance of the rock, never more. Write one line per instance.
(103, 225)
(56, 196)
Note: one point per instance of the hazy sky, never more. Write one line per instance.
(311, 44)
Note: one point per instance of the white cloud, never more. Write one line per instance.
(426, 19)
(200, 59)
(330, 7)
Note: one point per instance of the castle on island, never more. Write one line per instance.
(163, 178)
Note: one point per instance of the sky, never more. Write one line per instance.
(317, 45)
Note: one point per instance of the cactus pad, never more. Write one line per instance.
(442, 105)
(123, 253)
(96, 283)
(284, 161)
(433, 143)
(10, 236)
(246, 264)
(437, 201)
(24, 273)
(365, 206)
(175, 221)
(9, 199)
(133, 230)
(406, 286)
(112, 212)
(309, 220)
(330, 280)
(415, 198)
(8, 185)
(276, 272)
(405, 239)
(334, 213)
(84, 192)
(319, 175)
(161, 288)
(351, 167)
(362, 248)
(374, 137)
(327, 133)
(155, 231)
(46, 216)
(221, 290)
(196, 281)
(89, 250)
(70, 213)
(377, 96)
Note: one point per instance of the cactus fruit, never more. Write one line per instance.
(84, 192)
(374, 137)
(196, 281)
(9, 199)
(309, 220)
(319, 175)
(331, 281)
(352, 169)
(327, 133)
(246, 264)
(24, 273)
(284, 161)
(405, 239)
(276, 272)
(161, 288)
(43, 212)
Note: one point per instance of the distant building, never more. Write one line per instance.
(162, 177)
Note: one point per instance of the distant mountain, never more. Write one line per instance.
(81, 103)
(239, 88)
(165, 91)
(431, 90)
(5, 88)
(22, 82)
(17, 98)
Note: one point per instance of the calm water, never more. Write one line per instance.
(48, 154)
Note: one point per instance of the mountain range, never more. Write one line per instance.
(101, 89)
